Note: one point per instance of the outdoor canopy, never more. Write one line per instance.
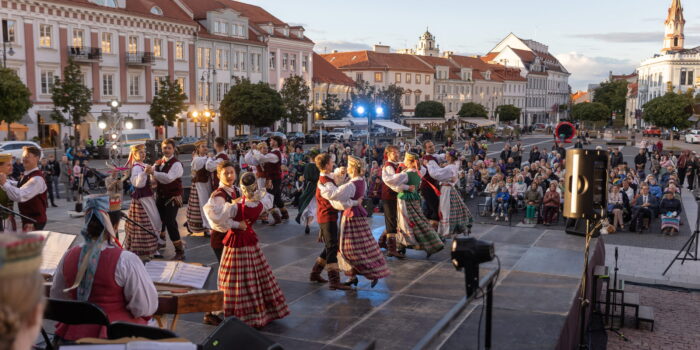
(478, 122)
(391, 125)
(333, 123)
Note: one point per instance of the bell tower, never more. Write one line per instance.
(674, 25)
(426, 45)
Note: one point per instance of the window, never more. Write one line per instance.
(378, 77)
(427, 97)
(408, 78)
(78, 38)
(293, 63)
(156, 11)
(224, 28)
(236, 60)
(181, 81)
(273, 60)
(397, 78)
(219, 89)
(285, 61)
(106, 42)
(134, 85)
(203, 56)
(358, 77)
(199, 57)
(304, 63)
(158, 47)
(687, 77)
(243, 59)
(427, 80)
(203, 91)
(47, 80)
(45, 35)
(225, 90)
(417, 78)
(133, 44)
(11, 31)
(157, 82)
(219, 58)
(108, 85)
(179, 50)
(407, 99)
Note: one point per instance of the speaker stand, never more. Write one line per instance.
(688, 246)
(584, 302)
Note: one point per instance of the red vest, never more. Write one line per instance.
(427, 178)
(214, 176)
(35, 207)
(172, 189)
(274, 170)
(106, 294)
(201, 175)
(236, 238)
(217, 237)
(387, 193)
(324, 210)
(145, 191)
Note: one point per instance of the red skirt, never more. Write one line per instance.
(251, 292)
(359, 250)
(138, 240)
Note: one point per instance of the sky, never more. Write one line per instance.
(590, 38)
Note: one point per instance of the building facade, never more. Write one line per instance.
(327, 80)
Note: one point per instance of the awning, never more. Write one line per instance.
(26, 120)
(391, 125)
(14, 126)
(47, 117)
(694, 117)
(478, 122)
(358, 121)
(333, 123)
(418, 121)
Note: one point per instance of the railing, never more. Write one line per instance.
(84, 53)
(140, 58)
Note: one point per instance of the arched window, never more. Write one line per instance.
(675, 41)
(156, 11)
(106, 3)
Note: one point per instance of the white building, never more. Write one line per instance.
(426, 46)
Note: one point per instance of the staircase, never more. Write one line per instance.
(617, 301)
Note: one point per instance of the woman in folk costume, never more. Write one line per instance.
(142, 210)
(255, 166)
(307, 199)
(200, 190)
(7, 220)
(414, 228)
(251, 292)
(101, 272)
(454, 215)
(358, 252)
(217, 209)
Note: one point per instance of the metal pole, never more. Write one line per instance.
(4, 54)
(489, 313)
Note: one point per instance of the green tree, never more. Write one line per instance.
(295, 99)
(430, 109)
(246, 103)
(669, 111)
(390, 99)
(363, 94)
(14, 98)
(612, 94)
(472, 110)
(71, 98)
(167, 104)
(334, 109)
(590, 111)
(507, 113)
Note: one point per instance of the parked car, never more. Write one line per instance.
(267, 135)
(294, 137)
(186, 144)
(315, 136)
(692, 136)
(134, 137)
(652, 131)
(360, 134)
(666, 135)
(14, 148)
(342, 134)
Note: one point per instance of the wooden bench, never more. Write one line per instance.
(645, 314)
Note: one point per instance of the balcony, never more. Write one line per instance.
(140, 58)
(85, 54)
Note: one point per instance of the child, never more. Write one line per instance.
(470, 183)
(502, 198)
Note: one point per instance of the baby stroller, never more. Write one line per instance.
(94, 179)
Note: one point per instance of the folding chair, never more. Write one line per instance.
(72, 312)
(120, 329)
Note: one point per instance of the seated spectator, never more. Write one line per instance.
(616, 206)
(491, 190)
(644, 206)
(533, 199)
(502, 198)
(654, 188)
(519, 188)
(670, 209)
(470, 183)
(551, 204)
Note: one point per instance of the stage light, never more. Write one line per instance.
(360, 110)
(114, 104)
(114, 146)
(129, 123)
(114, 136)
(469, 250)
(102, 124)
(379, 110)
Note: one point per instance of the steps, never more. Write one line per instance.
(617, 298)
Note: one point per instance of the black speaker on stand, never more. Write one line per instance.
(234, 334)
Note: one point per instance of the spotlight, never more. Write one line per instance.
(114, 136)
(379, 110)
(360, 110)
(114, 104)
(102, 124)
(114, 146)
(129, 123)
(467, 254)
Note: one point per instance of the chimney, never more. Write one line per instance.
(382, 48)
(335, 51)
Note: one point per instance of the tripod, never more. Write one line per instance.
(612, 326)
(691, 253)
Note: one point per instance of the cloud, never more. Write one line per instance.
(623, 37)
(592, 70)
(327, 46)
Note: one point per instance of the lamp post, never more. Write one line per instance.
(5, 52)
(208, 113)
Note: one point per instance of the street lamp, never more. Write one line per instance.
(5, 40)
(129, 123)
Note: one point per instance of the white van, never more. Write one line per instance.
(132, 137)
(341, 134)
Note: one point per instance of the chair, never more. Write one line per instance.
(120, 329)
(72, 312)
(231, 333)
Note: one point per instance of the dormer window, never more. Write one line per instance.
(155, 10)
(106, 3)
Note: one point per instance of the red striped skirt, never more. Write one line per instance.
(138, 240)
(359, 250)
(194, 212)
(251, 292)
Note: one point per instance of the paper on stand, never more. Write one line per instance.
(55, 246)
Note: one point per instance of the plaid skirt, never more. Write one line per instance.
(194, 212)
(251, 292)
(138, 240)
(414, 227)
(359, 250)
(455, 215)
(670, 221)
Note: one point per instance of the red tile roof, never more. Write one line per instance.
(632, 89)
(142, 8)
(368, 60)
(526, 56)
(489, 57)
(478, 67)
(325, 72)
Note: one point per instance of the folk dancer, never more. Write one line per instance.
(217, 210)
(391, 186)
(218, 158)
(200, 190)
(7, 220)
(251, 292)
(307, 199)
(101, 272)
(168, 173)
(454, 215)
(358, 253)
(30, 192)
(272, 166)
(142, 241)
(260, 175)
(428, 184)
(414, 229)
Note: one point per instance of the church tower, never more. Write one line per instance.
(426, 45)
(674, 38)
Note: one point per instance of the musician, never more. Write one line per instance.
(7, 220)
(431, 200)
(141, 239)
(213, 162)
(168, 173)
(101, 272)
(218, 208)
(200, 190)
(391, 176)
(272, 167)
(30, 192)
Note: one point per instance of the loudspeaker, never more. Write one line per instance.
(564, 132)
(234, 334)
(578, 228)
(585, 185)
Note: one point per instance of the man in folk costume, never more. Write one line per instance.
(251, 292)
(168, 173)
(213, 162)
(391, 178)
(454, 215)
(30, 192)
(200, 190)
(7, 220)
(272, 166)
(257, 168)
(101, 272)
(428, 185)
(141, 239)
(307, 199)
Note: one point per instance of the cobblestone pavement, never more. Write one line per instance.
(676, 323)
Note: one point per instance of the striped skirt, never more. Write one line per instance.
(670, 222)
(414, 228)
(194, 212)
(138, 240)
(359, 250)
(251, 292)
(455, 215)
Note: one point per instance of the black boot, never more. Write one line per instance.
(315, 275)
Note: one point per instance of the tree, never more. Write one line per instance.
(295, 99)
(590, 111)
(334, 109)
(246, 103)
(612, 94)
(14, 98)
(71, 98)
(430, 109)
(472, 110)
(390, 99)
(669, 111)
(507, 113)
(167, 104)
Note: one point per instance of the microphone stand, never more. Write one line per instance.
(126, 217)
(612, 326)
(6, 209)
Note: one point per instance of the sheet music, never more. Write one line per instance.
(94, 347)
(151, 345)
(55, 246)
(161, 271)
(190, 275)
